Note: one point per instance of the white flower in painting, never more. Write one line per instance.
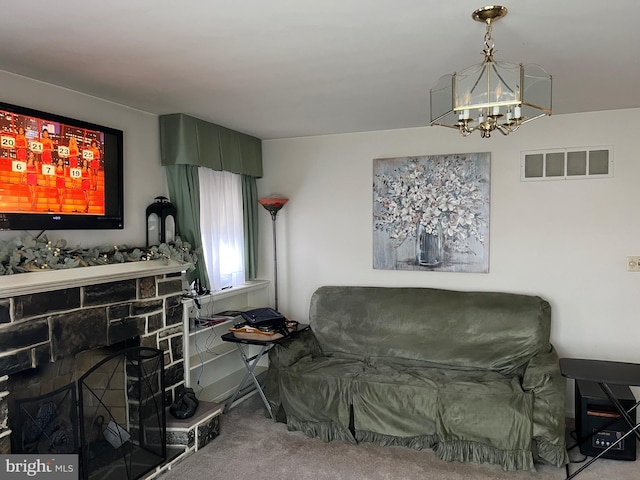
(441, 194)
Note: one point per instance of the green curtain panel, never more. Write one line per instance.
(184, 192)
(191, 141)
(250, 218)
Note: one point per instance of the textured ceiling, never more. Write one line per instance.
(286, 68)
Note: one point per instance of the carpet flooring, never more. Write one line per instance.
(251, 446)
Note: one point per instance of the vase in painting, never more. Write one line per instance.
(429, 246)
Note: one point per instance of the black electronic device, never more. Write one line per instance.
(598, 423)
(59, 173)
(266, 319)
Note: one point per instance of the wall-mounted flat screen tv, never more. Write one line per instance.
(58, 173)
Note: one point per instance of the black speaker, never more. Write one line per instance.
(599, 424)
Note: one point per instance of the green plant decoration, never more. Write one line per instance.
(30, 254)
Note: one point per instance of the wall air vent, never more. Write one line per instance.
(567, 163)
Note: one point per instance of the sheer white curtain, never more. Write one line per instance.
(221, 227)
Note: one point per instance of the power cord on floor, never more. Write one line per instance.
(574, 435)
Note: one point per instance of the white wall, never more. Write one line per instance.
(144, 177)
(566, 241)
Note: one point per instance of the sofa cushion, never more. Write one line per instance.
(396, 402)
(466, 330)
(316, 396)
(486, 422)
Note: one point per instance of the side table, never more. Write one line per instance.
(251, 362)
(605, 374)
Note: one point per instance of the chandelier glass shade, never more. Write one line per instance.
(491, 95)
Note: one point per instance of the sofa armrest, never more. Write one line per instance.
(542, 377)
(282, 356)
(290, 350)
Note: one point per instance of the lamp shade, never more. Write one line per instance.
(273, 203)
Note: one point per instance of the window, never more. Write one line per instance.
(221, 227)
(567, 163)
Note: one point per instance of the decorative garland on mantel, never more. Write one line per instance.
(28, 254)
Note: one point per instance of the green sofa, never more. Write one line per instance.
(471, 375)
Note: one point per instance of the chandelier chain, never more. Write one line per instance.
(488, 42)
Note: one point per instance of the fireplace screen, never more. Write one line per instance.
(113, 417)
(122, 420)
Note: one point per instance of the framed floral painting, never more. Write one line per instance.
(432, 213)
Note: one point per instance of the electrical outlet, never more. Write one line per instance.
(633, 264)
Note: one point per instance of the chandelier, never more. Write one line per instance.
(491, 95)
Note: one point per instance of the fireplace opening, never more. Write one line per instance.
(112, 414)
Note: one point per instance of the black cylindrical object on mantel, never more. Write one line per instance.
(161, 222)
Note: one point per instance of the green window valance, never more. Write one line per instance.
(186, 140)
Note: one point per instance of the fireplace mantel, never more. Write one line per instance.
(47, 280)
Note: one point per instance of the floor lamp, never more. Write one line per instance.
(273, 204)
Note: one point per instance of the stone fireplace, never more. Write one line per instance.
(51, 319)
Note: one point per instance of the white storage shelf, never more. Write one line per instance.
(214, 368)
